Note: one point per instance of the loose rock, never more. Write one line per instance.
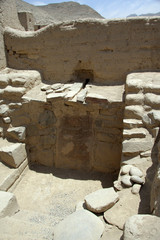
(80, 225)
(126, 181)
(142, 227)
(125, 169)
(136, 172)
(101, 200)
(137, 179)
(136, 188)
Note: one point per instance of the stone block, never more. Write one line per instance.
(101, 200)
(8, 204)
(17, 133)
(134, 99)
(13, 155)
(135, 133)
(14, 92)
(134, 112)
(132, 123)
(152, 100)
(4, 109)
(132, 146)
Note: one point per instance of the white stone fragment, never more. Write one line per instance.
(8, 204)
(126, 181)
(137, 179)
(136, 188)
(7, 120)
(135, 171)
(125, 169)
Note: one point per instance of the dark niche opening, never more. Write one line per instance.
(83, 75)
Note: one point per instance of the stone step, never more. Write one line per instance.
(134, 133)
(13, 154)
(37, 218)
(11, 228)
(132, 123)
(9, 176)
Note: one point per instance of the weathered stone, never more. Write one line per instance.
(125, 169)
(117, 185)
(18, 82)
(101, 200)
(152, 100)
(13, 155)
(56, 86)
(126, 181)
(134, 133)
(142, 227)
(14, 92)
(55, 96)
(133, 84)
(136, 188)
(17, 133)
(134, 99)
(127, 206)
(45, 87)
(132, 123)
(145, 154)
(81, 95)
(4, 80)
(132, 146)
(7, 120)
(4, 110)
(80, 225)
(135, 171)
(75, 88)
(134, 111)
(8, 204)
(137, 179)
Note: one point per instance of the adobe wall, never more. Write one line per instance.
(110, 49)
(8, 17)
(27, 20)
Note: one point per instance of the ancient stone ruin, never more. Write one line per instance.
(79, 128)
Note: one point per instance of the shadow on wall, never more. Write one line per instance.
(145, 193)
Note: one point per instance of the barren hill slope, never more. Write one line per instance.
(57, 12)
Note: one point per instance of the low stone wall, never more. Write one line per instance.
(108, 49)
(70, 126)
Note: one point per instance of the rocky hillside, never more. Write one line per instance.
(58, 12)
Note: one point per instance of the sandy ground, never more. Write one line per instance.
(56, 192)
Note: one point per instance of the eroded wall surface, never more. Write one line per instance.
(110, 49)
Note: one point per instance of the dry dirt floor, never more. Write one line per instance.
(56, 192)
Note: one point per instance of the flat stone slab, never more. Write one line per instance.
(142, 227)
(8, 204)
(13, 155)
(101, 200)
(81, 225)
(127, 206)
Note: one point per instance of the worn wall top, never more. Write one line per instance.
(107, 49)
